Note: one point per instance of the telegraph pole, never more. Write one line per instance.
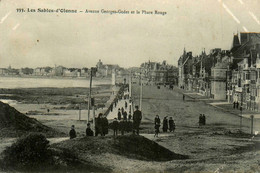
(89, 96)
(94, 124)
(241, 108)
(130, 94)
(141, 91)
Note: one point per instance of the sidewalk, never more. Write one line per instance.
(228, 107)
(120, 104)
(219, 104)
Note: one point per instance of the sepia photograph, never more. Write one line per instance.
(130, 86)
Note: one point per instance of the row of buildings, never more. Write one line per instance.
(232, 75)
(103, 70)
(158, 73)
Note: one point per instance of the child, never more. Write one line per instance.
(89, 132)
(72, 132)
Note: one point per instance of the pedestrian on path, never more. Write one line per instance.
(137, 117)
(171, 125)
(165, 124)
(122, 110)
(200, 120)
(183, 97)
(72, 132)
(125, 104)
(119, 114)
(157, 124)
(204, 119)
(111, 108)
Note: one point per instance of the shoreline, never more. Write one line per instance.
(55, 77)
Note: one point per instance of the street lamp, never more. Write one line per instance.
(241, 107)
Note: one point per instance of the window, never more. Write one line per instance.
(247, 76)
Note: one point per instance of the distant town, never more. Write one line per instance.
(103, 70)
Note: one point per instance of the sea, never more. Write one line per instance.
(23, 82)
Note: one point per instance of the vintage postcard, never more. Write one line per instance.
(129, 86)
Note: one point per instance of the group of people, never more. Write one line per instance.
(102, 125)
(73, 134)
(167, 124)
(125, 124)
(122, 126)
(202, 119)
(122, 115)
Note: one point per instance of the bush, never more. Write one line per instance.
(28, 152)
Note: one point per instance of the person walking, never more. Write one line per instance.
(157, 124)
(125, 104)
(165, 124)
(183, 97)
(89, 132)
(122, 110)
(171, 125)
(115, 126)
(72, 132)
(200, 120)
(204, 119)
(119, 114)
(137, 117)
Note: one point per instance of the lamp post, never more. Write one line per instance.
(141, 90)
(241, 107)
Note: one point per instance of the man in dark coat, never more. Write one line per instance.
(125, 115)
(125, 105)
(203, 119)
(119, 114)
(72, 132)
(137, 117)
(89, 132)
(99, 127)
(171, 125)
(200, 120)
(115, 126)
(165, 124)
(122, 110)
(157, 124)
(104, 123)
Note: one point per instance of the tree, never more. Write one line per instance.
(27, 71)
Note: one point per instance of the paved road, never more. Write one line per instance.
(214, 142)
(165, 102)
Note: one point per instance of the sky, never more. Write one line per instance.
(32, 39)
